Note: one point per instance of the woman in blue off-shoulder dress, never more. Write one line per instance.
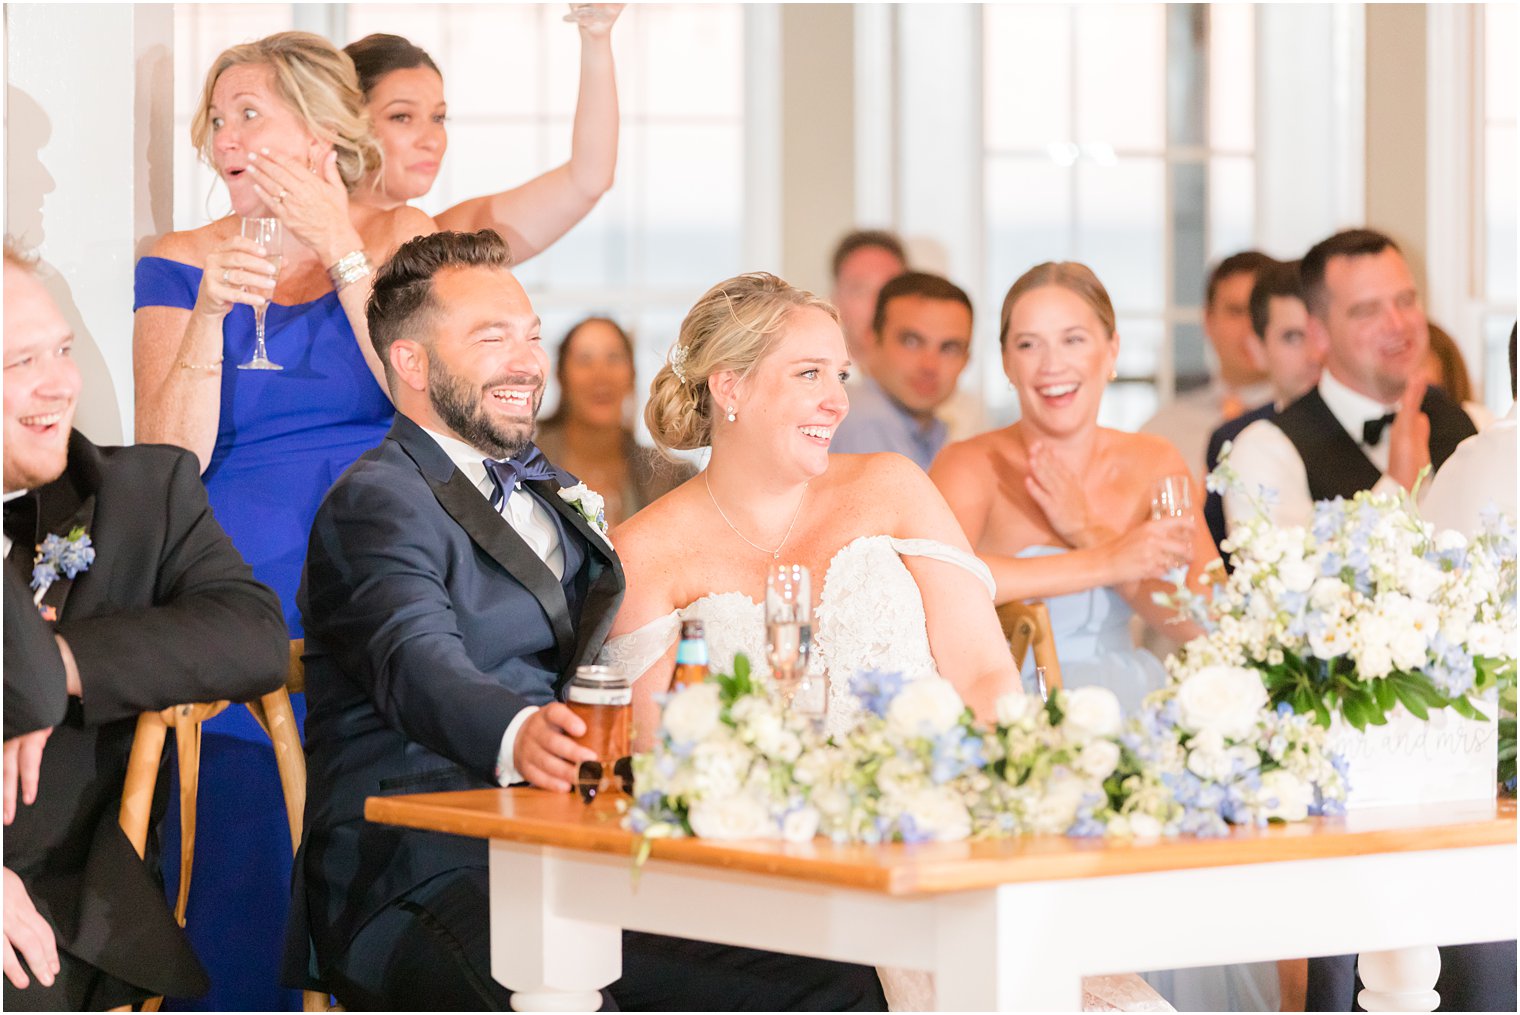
(270, 442)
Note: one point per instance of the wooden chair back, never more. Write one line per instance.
(273, 712)
(1027, 628)
(142, 776)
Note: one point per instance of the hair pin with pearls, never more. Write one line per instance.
(678, 361)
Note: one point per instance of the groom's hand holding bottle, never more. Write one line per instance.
(546, 752)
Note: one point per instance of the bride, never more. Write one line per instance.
(758, 374)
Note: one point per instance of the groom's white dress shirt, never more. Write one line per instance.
(532, 520)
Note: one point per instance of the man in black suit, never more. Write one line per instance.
(1282, 348)
(1369, 424)
(165, 612)
(450, 591)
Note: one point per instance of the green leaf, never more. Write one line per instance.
(1411, 699)
(1383, 691)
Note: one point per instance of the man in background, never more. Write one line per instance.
(1279, 324)
(1239, 383)
(922, 341)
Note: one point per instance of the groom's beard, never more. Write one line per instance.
(462, 408)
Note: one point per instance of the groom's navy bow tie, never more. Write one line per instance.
(1372, 430)
(529, 463)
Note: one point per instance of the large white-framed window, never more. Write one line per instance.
(1145, 176)
(1147, 140)
(696, 87)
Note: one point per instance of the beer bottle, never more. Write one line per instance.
(691, 655)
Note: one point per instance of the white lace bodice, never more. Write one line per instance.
(870, 616)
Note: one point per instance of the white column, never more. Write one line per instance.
(89, 114)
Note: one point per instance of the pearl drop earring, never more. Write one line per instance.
(731, 415)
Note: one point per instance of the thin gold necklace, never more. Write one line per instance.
(774, 554)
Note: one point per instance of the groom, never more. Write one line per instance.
(449, 593)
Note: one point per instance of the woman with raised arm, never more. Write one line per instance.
(403, 90)
(284, 125)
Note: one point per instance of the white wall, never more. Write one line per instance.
(89, 174)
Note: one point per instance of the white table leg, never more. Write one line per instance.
(548, 962)
(992, 956)
(1400, 980)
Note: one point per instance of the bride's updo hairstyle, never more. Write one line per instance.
(1072, 276)
(732, 327)
(317, 81)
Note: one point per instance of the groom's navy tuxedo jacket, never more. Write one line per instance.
(430, 624)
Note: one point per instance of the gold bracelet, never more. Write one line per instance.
(348, 269)
(212, 367)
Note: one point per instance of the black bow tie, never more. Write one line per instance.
(1372, 430)
(529, 463)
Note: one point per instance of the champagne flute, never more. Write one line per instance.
(267, 233)
(789, 629)
(1172, 497)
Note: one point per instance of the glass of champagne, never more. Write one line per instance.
(1172, 497)
(267, 233)
(789, 631)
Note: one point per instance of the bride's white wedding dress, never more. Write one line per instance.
(870, 616)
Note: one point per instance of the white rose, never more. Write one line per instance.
(1227, 700)
(1016, 707)
(1327, 594)
(925, 708)
(1091, 712)
(1297, 574)
(1209, 758)
(1144, 826)
(718, 766)
(1054, 810)
(800, 825)
(1099, 758)
(693, 713)
(1292, 795)
(730, 817)
(940, 813)
(898, 778)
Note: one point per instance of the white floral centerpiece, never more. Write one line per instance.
(1196, 759)
(724, 765)
(730, 763)
(1379, 627)
(908, 772)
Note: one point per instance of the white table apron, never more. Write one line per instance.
(557, 914)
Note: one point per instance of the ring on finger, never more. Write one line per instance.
(281, 198)
(226, 276)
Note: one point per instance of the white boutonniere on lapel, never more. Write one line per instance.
(59, 557)
(590, 505)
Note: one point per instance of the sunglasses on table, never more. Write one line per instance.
(588, 778)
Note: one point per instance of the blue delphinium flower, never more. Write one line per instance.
(876, 689)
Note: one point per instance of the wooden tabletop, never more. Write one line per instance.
(560, 819)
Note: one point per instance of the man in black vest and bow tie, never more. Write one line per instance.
(1370, 424)
(450, 592)
(165, 612)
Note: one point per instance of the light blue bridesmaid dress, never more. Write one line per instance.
(1095, 648)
